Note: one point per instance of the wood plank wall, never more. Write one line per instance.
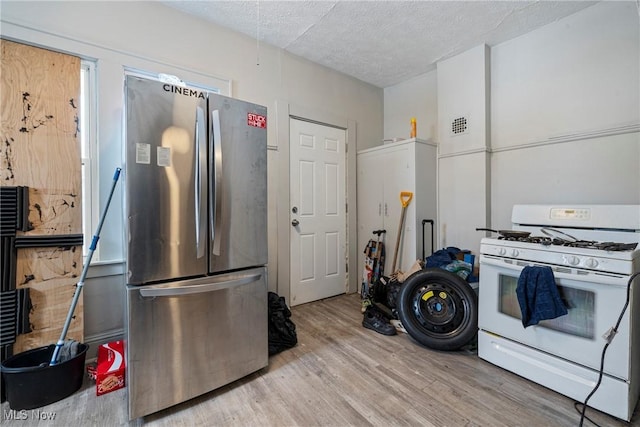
(40, 149)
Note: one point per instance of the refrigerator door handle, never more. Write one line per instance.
(215, 198)
(200, 168)
(163, 291)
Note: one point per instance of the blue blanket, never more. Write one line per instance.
(538, 296)
(441, 257)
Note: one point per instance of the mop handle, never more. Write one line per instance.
(85, 269)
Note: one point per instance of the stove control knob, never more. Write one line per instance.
(502, 251)
(514, 253)
(572, 260)
(591, 263)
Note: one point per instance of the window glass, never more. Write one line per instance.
(579, 321)
(87, 126)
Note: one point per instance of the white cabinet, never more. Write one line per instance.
(383, 173)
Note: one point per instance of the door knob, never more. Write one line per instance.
(295, 222)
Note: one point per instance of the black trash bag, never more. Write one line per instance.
(282, 331)
(385, 291)
(393, 289)
(378, 291)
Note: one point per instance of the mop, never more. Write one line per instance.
(68, 349)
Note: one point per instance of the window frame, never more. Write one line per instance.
(88, 147)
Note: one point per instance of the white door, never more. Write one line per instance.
(397, 178)
(382, 175)
(317, 211)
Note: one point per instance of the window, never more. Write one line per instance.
(88, 124)
(88, 147)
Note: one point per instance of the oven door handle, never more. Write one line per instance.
(588, 276)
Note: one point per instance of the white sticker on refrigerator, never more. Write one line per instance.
(143, 153)
(164, 156)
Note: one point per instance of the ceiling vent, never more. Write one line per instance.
(459, 126)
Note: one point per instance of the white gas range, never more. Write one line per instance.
(593, 253)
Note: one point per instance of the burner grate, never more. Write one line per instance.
(584, 244)
(604, 246)
(530, 239)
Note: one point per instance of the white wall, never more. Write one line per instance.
(155, 38)
(598, 170)
(463, 88)
(417, 98)
(463, 174)
(565, 108)
(579, 74)
(563, 121)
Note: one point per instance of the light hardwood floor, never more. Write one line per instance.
(341, 374)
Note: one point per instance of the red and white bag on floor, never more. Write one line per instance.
(111, 367)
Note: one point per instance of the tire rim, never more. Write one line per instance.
(439, 309)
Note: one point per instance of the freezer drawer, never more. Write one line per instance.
(188, 338)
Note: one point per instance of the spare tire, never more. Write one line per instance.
(438, 309)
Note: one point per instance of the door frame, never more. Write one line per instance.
(284, 113)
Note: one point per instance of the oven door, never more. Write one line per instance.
(594, 302)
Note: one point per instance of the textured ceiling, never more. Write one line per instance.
(380, 42)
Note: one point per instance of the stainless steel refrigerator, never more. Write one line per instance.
(196, 242)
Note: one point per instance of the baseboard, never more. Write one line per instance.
(96, 341)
